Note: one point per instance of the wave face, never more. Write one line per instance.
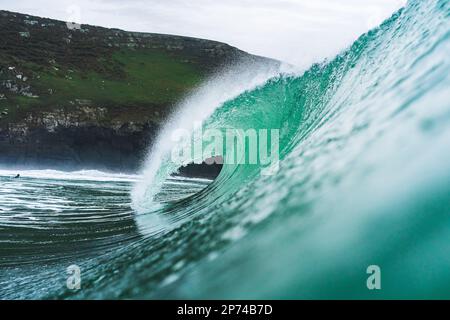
(364, 180)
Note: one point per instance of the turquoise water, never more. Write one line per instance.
(364, 180)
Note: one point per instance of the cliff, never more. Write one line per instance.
(75, 97)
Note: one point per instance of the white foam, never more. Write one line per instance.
(90, 175)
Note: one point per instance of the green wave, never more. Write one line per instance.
(363, 178)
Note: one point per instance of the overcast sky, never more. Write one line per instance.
(295, 31)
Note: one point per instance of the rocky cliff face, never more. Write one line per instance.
(77, 97)
(79, 138)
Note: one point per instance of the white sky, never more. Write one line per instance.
(295, 31)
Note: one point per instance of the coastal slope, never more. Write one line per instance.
(79, 96)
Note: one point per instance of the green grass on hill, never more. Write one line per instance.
(132, 78)
(150, 77)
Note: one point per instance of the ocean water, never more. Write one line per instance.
(364, 180)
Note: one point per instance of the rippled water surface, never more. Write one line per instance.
(364, 180)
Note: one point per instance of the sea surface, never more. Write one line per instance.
(364, 180)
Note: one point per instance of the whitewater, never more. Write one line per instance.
(364, 179)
